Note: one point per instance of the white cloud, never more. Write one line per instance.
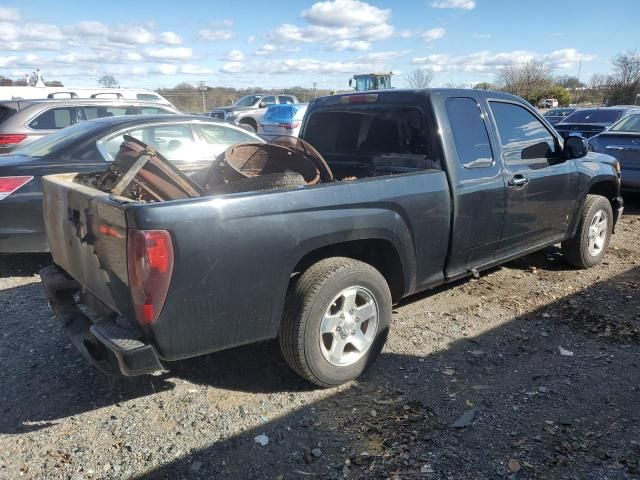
(128, 34)
(433, 34)
(165, 69)
(170, 38)
(266, 49)
(251, 40)
(482, 35)
(174, 53)
(195, 70)
(335, 21)
(488, 62)
(353, 45)
(87, 28)
(232, 67)
(234, 56)
(345, 13)
(9, 14)
(215, 35)
(459, 4)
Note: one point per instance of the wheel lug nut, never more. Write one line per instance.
(338, 328)
(343, 336)
(342, 315)
(357, 319)
(350, 312)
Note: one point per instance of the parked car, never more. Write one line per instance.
(548, 103)
(249, 110)
(427, 186)
(588, 122)
(282, 120)
(622, 141)
(25, 121)
(189, 142)
(556, 115)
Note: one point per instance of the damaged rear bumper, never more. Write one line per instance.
(112, 348)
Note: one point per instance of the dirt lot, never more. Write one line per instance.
(537, 363)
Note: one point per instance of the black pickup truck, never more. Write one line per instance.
(428, 186)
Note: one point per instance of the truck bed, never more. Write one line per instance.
(234, 254)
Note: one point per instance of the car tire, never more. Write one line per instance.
(312, 320)
(261, 182)
(595, 225)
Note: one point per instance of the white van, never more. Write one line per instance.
(38, 93)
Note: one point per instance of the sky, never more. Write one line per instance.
(280, 44)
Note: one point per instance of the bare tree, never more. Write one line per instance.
(526, 79)
(108, 81)
(624, 82)
(419, 78)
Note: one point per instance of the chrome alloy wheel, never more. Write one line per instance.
(349, 326)
(598, 231)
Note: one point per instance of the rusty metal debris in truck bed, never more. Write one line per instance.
(141, 173)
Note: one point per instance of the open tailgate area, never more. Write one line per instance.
(87, 235)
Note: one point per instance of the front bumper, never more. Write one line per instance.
(110, 346)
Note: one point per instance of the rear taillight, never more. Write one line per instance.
(8, 185)
(288, 126)
(150, 262)
(10, 140)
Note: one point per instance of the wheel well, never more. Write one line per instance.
(607, 189)
(249, 121)
(380, 254)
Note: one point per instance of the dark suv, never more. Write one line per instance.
(23, 121)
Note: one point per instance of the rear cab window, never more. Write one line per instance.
(470, 135)
(371, 140)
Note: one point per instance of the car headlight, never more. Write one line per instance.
(228, 115)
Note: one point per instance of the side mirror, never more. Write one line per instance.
(350, 81)
(262, 105)
(576, 147)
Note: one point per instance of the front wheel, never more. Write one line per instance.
(586, 249)
(336, 320)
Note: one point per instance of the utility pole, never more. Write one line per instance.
(202, 85)
(575, 97)
(315, 91)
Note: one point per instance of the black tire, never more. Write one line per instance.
(309, 297)
(249, 125)
(576, 250)
(261, 182)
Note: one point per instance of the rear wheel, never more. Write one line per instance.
(336, 320)
(586, 249)
(249, 125)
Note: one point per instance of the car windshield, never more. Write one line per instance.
(559, 112)
(247, 101)
(57, 140)
(593, 116)
(630, 123)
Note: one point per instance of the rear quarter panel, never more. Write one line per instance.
(235, 254)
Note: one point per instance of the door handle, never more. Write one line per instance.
(518, 181)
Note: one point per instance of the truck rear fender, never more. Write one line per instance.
(380, 253)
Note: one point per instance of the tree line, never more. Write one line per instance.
(534, 81)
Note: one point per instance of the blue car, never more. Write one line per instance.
(587, 122)
(622, 141)
(281, 120)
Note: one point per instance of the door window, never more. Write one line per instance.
(469, 133)
(286, 99)
(271, 100)
(54, 119)
(92, 112)
(525, 140)
(174, 142)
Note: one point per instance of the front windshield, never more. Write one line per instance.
(593, 116)
(630, 123)
(57, 140)
(247, 101)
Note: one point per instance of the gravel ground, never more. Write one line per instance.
(530, 371)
